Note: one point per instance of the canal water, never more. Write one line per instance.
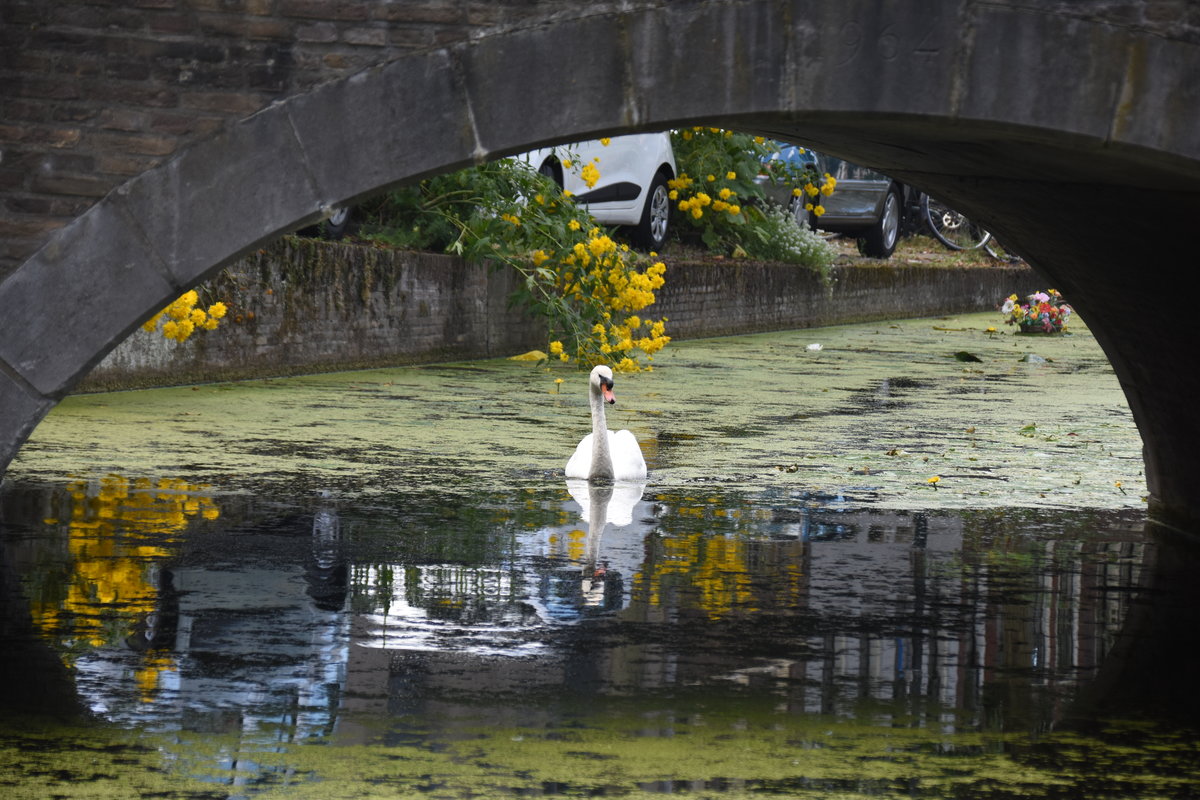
(905, 559)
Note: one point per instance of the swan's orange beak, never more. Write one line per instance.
(609, 397)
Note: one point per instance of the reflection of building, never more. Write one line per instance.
(267, 626)
(913, 613)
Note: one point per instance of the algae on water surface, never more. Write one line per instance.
(875, 413)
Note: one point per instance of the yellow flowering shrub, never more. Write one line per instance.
(586, 284)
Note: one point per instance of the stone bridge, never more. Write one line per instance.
(144, 145)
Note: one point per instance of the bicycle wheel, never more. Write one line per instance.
(952, 228)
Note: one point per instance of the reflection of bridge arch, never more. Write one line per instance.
(1094, 125)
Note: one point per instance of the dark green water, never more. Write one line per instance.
(378, 585)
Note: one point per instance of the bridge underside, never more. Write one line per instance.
(1094, 178)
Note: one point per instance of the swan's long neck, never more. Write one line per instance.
(602, 466)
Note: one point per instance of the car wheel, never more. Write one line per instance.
(651, 233)
(880, 240)
(339, 224)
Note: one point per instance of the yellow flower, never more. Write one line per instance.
(590, 175)
(539, 256)
(563, 357)
(217, 310)
(818, 210)
(605, 140)
(198, 316)
(556, 347)
(601, 245)
(697, 213)
(566, 162)
(759, 140)
(712, 178)
(731, 175)
(935, 480)
(574, 225)
(725, 193)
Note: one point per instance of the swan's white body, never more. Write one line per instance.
(603, 455)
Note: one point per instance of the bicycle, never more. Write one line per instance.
(950, 227)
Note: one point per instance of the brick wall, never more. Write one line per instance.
(307, 306)
(94, 92)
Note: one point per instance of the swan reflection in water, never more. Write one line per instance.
(601, 505)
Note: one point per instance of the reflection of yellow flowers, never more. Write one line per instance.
(112, 559)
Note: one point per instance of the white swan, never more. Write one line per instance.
(604, 455)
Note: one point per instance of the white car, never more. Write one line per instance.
(632, 188)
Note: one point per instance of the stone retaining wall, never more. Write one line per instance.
(308, 306)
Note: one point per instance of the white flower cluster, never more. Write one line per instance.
(782, 239)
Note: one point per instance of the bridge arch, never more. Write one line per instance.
(1075, 137)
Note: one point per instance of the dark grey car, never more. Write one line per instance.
(865, 204)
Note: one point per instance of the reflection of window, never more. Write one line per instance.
(845, 170)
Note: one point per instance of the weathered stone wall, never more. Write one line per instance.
(307, 306)
(732, 298)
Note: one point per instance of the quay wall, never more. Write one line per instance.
(304, 306)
